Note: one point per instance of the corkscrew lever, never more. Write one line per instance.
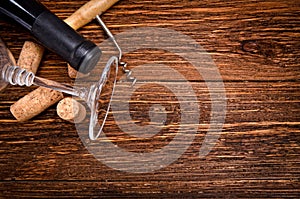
(112, 38)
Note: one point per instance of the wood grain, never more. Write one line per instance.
(254, 44)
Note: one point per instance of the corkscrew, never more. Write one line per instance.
(125, 69)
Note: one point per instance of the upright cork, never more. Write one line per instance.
(71, 110)
(34, 103)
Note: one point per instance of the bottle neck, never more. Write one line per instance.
(24, 12)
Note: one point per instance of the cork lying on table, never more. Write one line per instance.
(30, 56)
(34, 103)
(88, 12)
(40, 99)
(70, 110)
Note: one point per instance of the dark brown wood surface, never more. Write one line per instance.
(256, 47)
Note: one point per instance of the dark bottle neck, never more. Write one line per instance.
(23, 11)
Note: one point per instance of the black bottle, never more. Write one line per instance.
(53, 33)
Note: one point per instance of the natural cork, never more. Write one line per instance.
(71, 110)
(40, 99)
(88, 12)
(34, 103)
(31, 56)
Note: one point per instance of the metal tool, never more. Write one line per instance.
(113, 39)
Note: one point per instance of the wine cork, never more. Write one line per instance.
(34, 103)
(40, 99)
(30, 56)
(70, 110)
(88, 12)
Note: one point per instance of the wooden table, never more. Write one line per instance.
(256, 48)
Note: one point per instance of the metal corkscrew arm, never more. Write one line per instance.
(123, 65)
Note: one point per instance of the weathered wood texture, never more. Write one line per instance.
(256, 47)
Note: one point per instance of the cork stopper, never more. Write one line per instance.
(40, 99)
(30, 56)
(71, 110)
(34, 103)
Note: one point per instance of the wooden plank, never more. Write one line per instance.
(259, 129)
(246, 101)
(104, 189)
(255, 46)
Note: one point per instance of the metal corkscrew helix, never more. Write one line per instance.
(17, 76)
(127, 71)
